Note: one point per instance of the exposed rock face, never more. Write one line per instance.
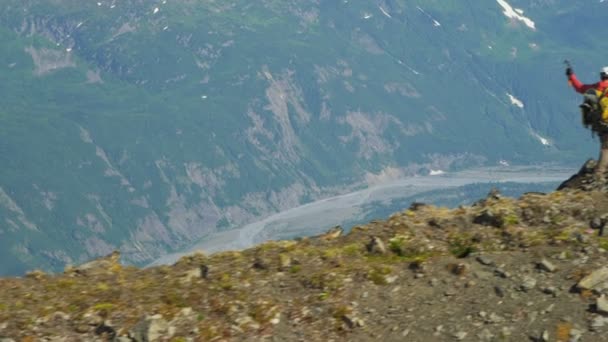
(584, 179)
(47, 60)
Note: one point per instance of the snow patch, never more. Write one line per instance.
(435, 22)
(503, 162)
(515, 101)
(516, 14)
(85, 136)
(407, 66)
(542, 140)
(384, 12)
(367, 15)
(156, 10)
(436, 172)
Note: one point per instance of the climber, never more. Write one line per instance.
(595, 112)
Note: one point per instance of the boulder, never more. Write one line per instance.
(547, 266)
(150, 329)
(485, 260)
(601, 305)
(593, 280)
(35, 274)
(332, 234)
(528, 283)
(104, 265)
(106, 331)
(193, 275)
(376, 246)
(488, 218)
(352, 321)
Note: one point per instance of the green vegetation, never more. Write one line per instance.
(461, 248)
(103, 307)
(378, 274)
(510, 219)
(603, 243)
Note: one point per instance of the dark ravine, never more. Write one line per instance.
(504, 269)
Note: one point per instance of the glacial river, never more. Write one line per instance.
(316, 217)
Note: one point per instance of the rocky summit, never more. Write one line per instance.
(503, 269)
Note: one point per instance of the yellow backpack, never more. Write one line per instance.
(603, 100)
(594, 110)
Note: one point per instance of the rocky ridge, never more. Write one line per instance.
(502, 269)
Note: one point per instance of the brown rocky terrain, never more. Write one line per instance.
(503, 269)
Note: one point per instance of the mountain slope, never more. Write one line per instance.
(515, 269)
(143, 126)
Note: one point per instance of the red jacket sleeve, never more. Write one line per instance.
(578, 86)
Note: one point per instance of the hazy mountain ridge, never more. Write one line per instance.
(143, 126)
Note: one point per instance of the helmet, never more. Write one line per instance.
(604, 72)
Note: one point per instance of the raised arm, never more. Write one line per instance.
(578, 86)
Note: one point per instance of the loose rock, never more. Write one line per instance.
(150, 328)
(545, 336)
(528, 284)
(575, 335)
(485, 260)
(598, 322)
(546, 266)
(461, 335)
(594, 279)
(193, 274)
(353, 321)
(376, 246)
(601, 305)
